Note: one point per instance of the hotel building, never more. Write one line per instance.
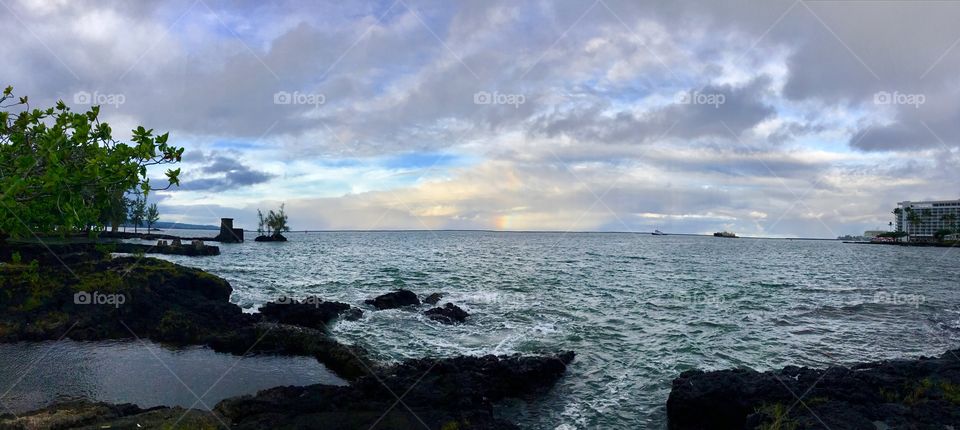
(931, 215)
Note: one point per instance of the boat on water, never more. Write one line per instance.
(724, 234)
(658, 233)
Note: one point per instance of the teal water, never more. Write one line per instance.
(637, 309)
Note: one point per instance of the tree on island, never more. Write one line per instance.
(153, 215)
(272, 227)
(138, 212)
(62, 172)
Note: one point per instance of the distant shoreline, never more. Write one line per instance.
(548, 232)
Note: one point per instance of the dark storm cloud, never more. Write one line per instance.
(221, 172)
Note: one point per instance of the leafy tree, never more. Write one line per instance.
(951, 221)
(275, 223)
(62, 171)
(942, 233)
(153, 215)
(138, 211)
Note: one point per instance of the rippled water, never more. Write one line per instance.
(637, 309)
(36, 374)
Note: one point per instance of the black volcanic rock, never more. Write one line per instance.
(163, 302)
(922, 393)
(311, 312)
(443, 393)
(272, 238)
(394, 300)
(449, 393)
(433, 298)
(448, 314)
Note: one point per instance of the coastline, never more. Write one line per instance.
(164, 302)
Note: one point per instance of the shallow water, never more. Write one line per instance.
(637, 309)
(34, 375)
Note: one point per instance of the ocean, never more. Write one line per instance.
(637, 309)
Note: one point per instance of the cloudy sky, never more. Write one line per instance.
(794, 118)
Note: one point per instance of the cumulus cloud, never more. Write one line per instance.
(698, 115)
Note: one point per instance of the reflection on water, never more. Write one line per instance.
(146, 374)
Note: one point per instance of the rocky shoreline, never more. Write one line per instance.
(84, 294)
(922, 393)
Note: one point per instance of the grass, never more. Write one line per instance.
(779, 414)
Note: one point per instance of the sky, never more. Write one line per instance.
(767, 118)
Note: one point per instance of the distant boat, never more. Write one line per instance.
(659, 233)
(724, 234)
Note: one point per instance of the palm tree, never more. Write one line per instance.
(137, 213)
(950, 220)
(152, 216)
(915, 221)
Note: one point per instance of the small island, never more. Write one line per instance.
(271, 227)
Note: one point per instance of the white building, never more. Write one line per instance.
(930, 217)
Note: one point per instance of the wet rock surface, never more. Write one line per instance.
(396, 299)
(82, 414)
(448, 314)
(311, 312)
(131, 298)
(437, 393)
(894, 394)
(444, 393)
(433, 299)
(272, 238)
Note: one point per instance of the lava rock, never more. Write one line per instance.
(95, 415)
(272, 238)
(433, 299)
(921, 393)
(163, 302)
(448, 314)
(396, 299)
(311, 312)
(447, 393)
(442, 393)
